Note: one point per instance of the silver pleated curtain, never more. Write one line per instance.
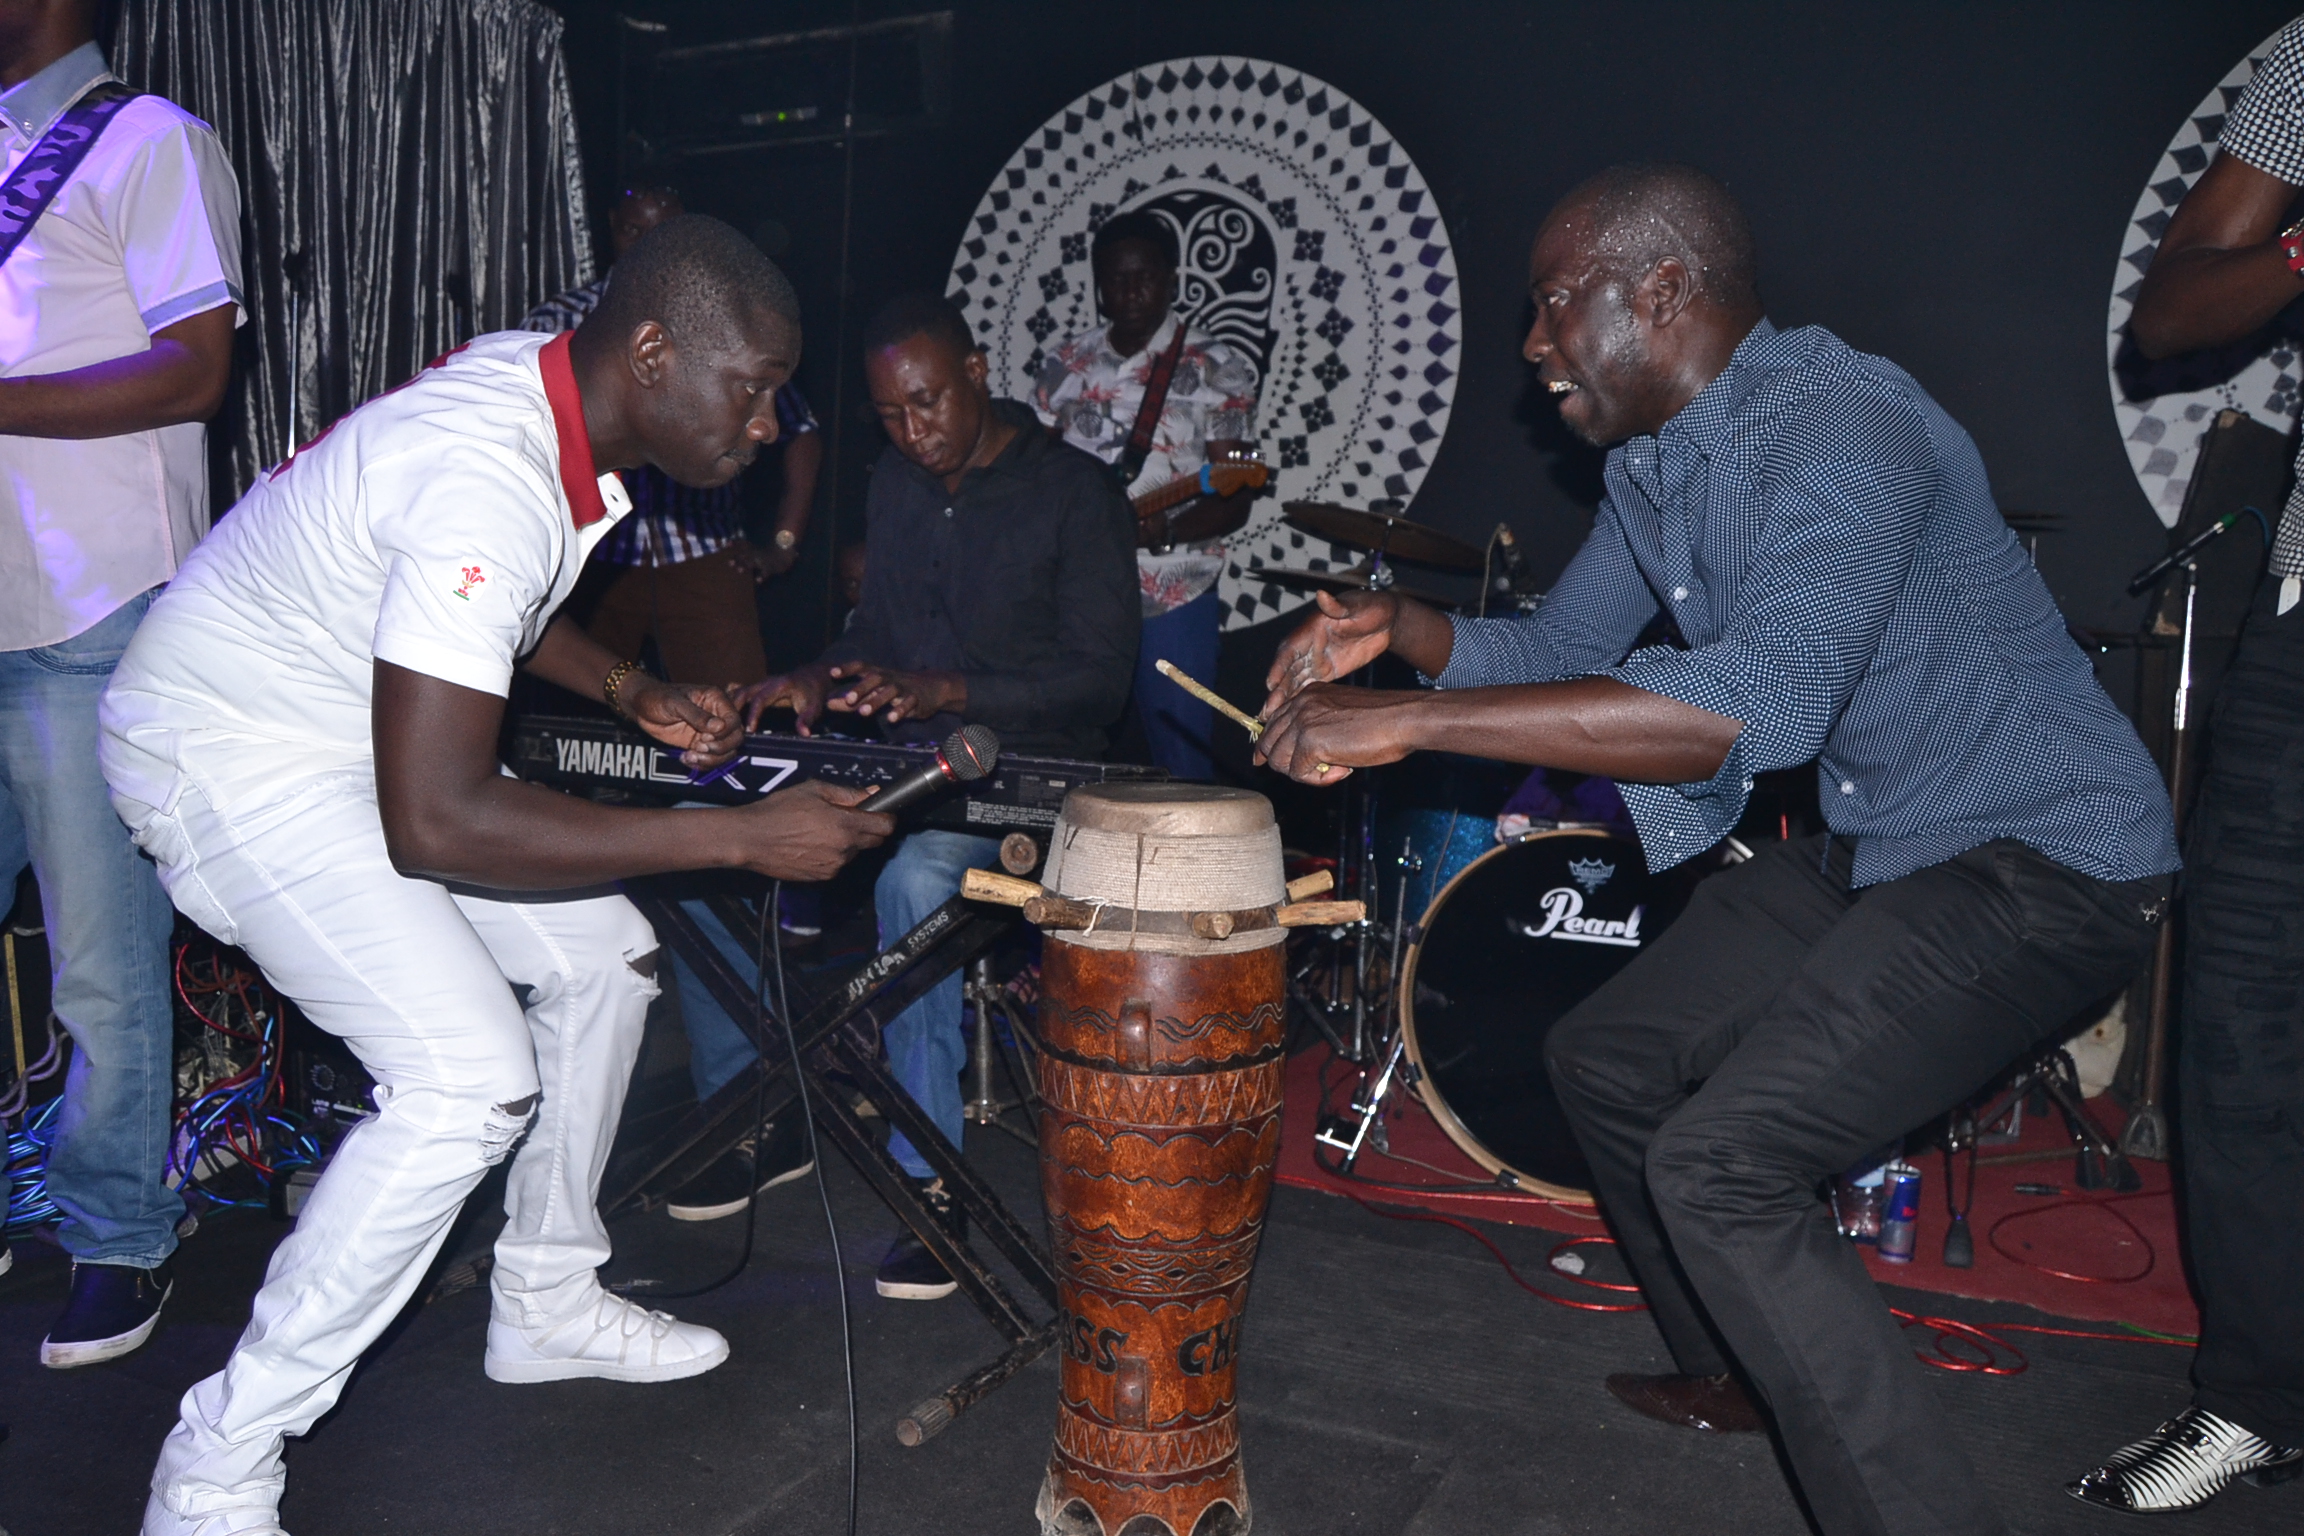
(408, 178)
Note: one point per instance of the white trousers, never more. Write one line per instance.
(480, 1015)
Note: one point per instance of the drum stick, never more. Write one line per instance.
(1210, 697)
(1216, 701)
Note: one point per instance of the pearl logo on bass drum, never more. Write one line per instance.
(1564, 919)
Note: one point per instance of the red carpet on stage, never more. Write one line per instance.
(2087, 1254)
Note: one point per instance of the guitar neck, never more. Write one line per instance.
(1161, 497)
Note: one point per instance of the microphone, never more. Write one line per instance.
(2183, 552)
(967, 755)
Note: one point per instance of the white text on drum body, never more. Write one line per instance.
(1564, 919)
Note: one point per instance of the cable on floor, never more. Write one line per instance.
(1482, 1239)
(823, 1195)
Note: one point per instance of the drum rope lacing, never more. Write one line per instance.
(1170, 871)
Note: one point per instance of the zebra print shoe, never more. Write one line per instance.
(2183, 1464)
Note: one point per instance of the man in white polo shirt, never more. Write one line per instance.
(119, 292)
(303, 735)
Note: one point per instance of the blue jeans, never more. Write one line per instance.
(926, 1048)
(1177, 725)
(108, 926)
(718, 1047)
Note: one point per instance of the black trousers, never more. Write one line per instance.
(1781, 1029)
(2240, 1053)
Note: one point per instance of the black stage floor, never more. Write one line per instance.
(1394, 1381)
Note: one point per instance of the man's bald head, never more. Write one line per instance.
(699, 279)
(1633, 216)
(1641, 285)
(681, 361)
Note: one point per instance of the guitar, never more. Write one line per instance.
(1162, 518)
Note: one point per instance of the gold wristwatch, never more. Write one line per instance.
(786, 539)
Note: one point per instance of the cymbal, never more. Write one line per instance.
(1341, 581)
(1396, 537)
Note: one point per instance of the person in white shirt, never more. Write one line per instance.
(303, 736)
(118, 300)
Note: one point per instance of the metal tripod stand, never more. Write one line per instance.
(987, 999)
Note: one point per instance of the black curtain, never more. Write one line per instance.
(408, 178)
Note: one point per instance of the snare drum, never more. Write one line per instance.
(1524, 934)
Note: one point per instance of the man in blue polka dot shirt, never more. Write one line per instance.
(1821, 537)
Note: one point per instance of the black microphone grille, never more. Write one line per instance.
(971, 751)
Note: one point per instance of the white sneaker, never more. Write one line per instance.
(250, 1520)
(613, 1339)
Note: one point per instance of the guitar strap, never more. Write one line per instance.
(1139, 447)
(43, 171)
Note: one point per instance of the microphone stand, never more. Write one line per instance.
(2146, 1134)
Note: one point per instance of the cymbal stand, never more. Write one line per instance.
(985, 1106)
(1363, 1122)
(2097, 1163)
(2146, 1134)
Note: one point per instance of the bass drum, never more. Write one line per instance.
(1524, 934)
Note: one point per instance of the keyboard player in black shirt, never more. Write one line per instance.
(999, 588)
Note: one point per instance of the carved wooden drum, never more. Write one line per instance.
(1160, 1068)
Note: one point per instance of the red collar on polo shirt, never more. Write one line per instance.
(577, 479)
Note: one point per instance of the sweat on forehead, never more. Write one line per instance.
(1630, 217)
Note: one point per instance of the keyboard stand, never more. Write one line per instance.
(838, 1029)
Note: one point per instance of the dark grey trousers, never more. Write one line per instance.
(1781, 1029)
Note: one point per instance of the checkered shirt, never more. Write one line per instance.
(2266, 130)
(670, 522)
(1823, 537)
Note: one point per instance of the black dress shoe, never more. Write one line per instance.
(910, 1272)
(729, 1184)
(1714, 1403)
(113, 1310)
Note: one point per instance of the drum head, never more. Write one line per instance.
(1509, 946)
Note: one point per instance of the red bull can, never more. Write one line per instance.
(1899, 1212)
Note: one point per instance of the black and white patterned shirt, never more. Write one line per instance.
(2266, 130)
(1823, 537)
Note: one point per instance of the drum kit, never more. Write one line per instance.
(1387, 537)
(1439, 1002)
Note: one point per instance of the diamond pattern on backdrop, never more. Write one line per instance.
(2162, 429)
(1310, 241)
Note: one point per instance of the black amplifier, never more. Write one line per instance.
(610, 761)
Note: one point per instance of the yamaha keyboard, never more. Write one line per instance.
(611, 761)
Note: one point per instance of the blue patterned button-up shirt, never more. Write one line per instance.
(1823, 537)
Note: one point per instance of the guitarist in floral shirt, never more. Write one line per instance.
(1092, 392)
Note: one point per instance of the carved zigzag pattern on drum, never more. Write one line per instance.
(1212, 1098)
(1172, 1161)
(1152, 1269)
(1264, 1018)
(1145, 1452)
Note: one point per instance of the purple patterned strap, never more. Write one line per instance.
(42, 174)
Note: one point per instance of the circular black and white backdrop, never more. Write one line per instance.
(1309, 241)
(2162, 409)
